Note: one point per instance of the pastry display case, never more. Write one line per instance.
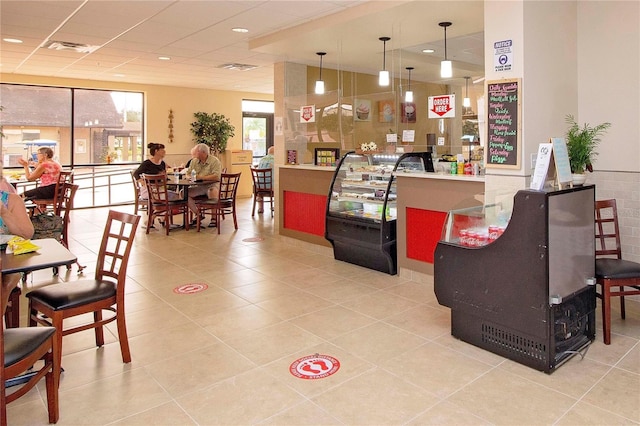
(518, 275)
(361, 207)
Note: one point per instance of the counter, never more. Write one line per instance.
(424, 199)
(302, 201)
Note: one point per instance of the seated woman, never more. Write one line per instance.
(152, 166)
(47, 170)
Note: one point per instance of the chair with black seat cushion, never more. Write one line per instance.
(160, 205)
(43, 205)
(140, 203)
(615, 276)
(224, 204)
(22, 348)
(262, 187)
(52, 304)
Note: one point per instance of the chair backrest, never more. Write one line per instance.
(64, 205)
(229, 186)
(262, 179)
(65, 176)
(115, 247)
(157, 188)
(607, 230)
(136, 185)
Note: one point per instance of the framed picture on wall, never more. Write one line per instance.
(386, 111)
(363, 110)
(408, 112)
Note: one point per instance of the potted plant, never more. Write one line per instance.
(213, 130)
(581, 146)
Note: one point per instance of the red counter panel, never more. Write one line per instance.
(424, 230)
(304, 212)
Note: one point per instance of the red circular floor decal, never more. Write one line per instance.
(253, 240)
(314, 367)
(190, 288)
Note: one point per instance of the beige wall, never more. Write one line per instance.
(159, 100)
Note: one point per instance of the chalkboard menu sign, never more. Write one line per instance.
(503, 124)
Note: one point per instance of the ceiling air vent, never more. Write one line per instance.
(239, 67)
(68, 45)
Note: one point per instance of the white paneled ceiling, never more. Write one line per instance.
(131, 35)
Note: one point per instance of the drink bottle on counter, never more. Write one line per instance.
(193, 175)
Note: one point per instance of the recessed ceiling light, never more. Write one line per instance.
(118, 75)
(12, 40)
(164, 58)
(428, 50)
(239, 30)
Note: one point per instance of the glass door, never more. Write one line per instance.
(257, 133)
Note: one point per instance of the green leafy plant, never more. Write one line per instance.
(582, 143)
(213, 130)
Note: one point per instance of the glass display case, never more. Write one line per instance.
(517, 275)
(361, 207)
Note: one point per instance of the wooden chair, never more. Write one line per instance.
(139, 203)
(21, 349)
(262, 187)
(159, 204)
(43, 205)
(52, 304)
(225, 204)
(611, 270)
(62, 208)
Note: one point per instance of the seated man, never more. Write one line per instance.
(266, 162)
(208, 168)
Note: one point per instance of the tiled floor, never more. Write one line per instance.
(222, 356)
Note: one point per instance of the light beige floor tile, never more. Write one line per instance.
(311, 278)
(28, 411)
(234, 322)
(165, 414)
(446, 413)
(573, 378)
(243, 400)
(199, 305)
(413, 290)
(100, 403)
(423, 321)
(168, 342)
(274, 342)
(583, 414)
(631, 361)
(436, 369)
(618, 392)
(380, 305)
(503, 398)
(238, 278)
(198, 369)
(340, 291)
(293, 305)
(375, 398)
(332, 321)
(378, 342)
(610, 354)
(380, 280)
(306, 413)
(351, 366)
(264, 290)
(469, 350)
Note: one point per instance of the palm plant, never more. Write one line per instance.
(581, 144)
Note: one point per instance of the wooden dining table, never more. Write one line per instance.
(51, 254)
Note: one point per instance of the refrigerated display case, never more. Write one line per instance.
(361, 207)
(517, 274)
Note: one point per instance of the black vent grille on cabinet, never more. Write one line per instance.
(518, 345)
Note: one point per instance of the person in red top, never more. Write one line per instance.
(47, 170)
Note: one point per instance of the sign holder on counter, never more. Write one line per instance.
(557, 170)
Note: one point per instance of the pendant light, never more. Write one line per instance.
(383, 76)
(408, 95)
(446, 69)
(320, 82)
(466, 102)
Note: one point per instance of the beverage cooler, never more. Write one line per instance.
(240, 161)
(361, 207)
(518, 275)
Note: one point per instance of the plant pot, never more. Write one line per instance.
(579, 178)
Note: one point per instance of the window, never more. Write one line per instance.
(106, 126)
(257, 126)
